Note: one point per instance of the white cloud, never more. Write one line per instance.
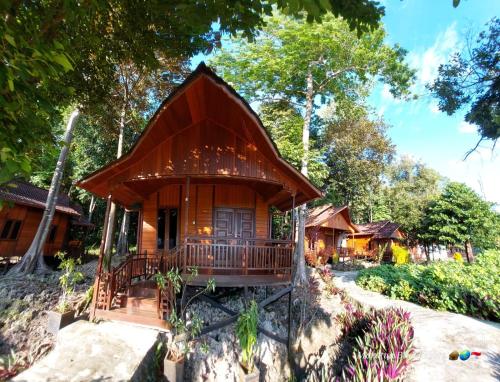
(477, 172)
(426, 63)
(466, 128)
(434, 108)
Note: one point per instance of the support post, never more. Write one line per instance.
(100, 261)
(293, 218)
(186, 222)
(289, 339)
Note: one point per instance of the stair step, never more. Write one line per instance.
(135, 304)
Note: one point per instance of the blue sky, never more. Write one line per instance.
(431, 30)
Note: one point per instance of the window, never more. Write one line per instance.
(52, 234)
(10, 230)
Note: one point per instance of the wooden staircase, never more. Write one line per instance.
(139, 305)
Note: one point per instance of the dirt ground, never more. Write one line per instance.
(24, 303)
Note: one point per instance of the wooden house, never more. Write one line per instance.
(203, 176)
(21, 213)
(375, 235)
(327, 228)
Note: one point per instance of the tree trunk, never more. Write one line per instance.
(108, 246)
(122, 246)
(92, 207)
(300, 272)
(469, 253)
(33, 259)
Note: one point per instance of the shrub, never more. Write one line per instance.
(458, 257)
(246, 330)
(384, 350)
(400, 255)
(317, 258)
(68, 280)
(460, 287)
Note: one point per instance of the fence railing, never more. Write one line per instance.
(210, 255)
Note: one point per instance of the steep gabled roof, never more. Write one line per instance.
(383, 229)
(322, 214)
(188, 103)
(27, 194)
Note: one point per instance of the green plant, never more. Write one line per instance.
(461, 287)
(400, 255)
(458, 257)
(246, 330)
(384, 348)
(185, 332)
(67, 280)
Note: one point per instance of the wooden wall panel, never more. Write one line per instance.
(234, 196)
(149, 216)
(261, 218)
(169, 196)
(9, 247)
(31, 218)
(201, 204)
(204, 221)
(205, 148)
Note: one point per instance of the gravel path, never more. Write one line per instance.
(437, 334)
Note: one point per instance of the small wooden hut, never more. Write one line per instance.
(327, 229)
(203, 176)
(375, 235)
(21, 213)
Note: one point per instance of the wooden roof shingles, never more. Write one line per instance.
(383, 229)
(318, 215)
(24, 193)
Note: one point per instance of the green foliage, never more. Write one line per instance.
(68, 280)
(246, 330)
(55, 54)
(400, 255)
(458, 216)
(472, 289)
(358, 152)
(273, 69)
(471, 80)
(408, 189)
(188, 330)
(458, 257)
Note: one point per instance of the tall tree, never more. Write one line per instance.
(358, 151)
(137, 92)
(34, 255)
(40, 39)
(472, 80)
(298, 63)
(460, 217)
(41, 43)
(408, 188)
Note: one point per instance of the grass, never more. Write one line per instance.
(472, 289)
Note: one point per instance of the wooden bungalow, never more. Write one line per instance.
(375, 235)
(203, 176)
(21, 213)
(327, 228)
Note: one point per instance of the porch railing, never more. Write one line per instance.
(211, 255)
(238, 256)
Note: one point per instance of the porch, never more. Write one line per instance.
(129, 293)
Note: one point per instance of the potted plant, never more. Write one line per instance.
(246, 330)
(183, 331)
(64, 314)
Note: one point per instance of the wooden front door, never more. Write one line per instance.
(238, 223)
